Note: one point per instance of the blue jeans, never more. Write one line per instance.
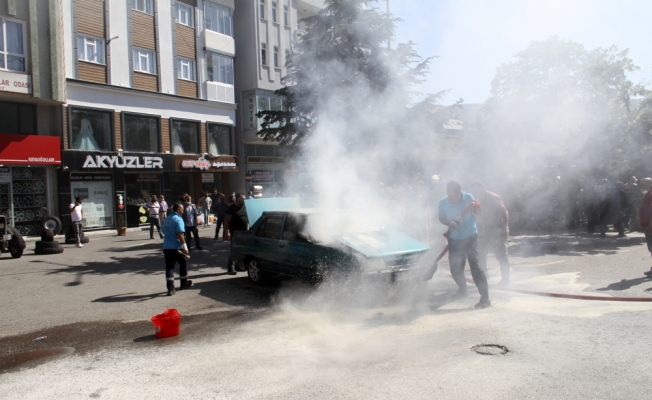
(206, 211)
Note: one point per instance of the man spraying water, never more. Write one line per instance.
(463, 240)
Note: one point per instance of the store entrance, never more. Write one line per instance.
(140, 188)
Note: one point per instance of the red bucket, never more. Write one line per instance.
(167, 323)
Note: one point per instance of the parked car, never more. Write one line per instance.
(293, 243)
(10, 239)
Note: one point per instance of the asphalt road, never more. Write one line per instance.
(289, 340)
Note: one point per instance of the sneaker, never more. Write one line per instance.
(459, 295)
(231, 270)
(171, 292)
(484, 303)
(186, 286)
(80, 245)
(162, 236)
(151, 237)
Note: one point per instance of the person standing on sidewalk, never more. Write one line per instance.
(77, 217)
(154, 208)
(206, 203)
(235, 220)
(462, 241)
(220, 211)
(493, 229)
(164, 207)
(175, 249)
(645, 215)
(190, 215)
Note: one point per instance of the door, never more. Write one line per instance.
(299, 256)
(268, 244)
(6, 208)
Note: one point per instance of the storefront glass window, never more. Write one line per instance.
(97, 192)
(23, 198)
(17, 118)
(180, 184)
(185, 137)
(219, 139)
(90, 130)
(140, 188)
(141, 133)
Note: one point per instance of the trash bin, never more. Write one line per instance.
(167, 323)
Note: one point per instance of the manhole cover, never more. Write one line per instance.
(490, 349)
(33, 358)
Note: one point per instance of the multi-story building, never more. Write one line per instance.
(150, 104)
(31, 95)
(265, 31)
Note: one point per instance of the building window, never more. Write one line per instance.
(141, 133)
(262, 9)
(184, 14)
(186, 69)
(12, 46)
(143, 6)
(144, 61)
(263, 53)
(274, 11)
(17, 118)
(185, 137)
(218, 18)
(219, 139)
(90, 49)
(285, 16)
(90, 130)
(276, 63)
(219, 68)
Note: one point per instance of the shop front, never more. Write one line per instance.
(27, 165)
(195, 175)
(100, 177)
(267, 174)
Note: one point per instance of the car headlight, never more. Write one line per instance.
(373, 264)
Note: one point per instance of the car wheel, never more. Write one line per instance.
(49, 250)
(15, 249)
(52, 223)
(332, 273)
(255, 274)
(16, 235)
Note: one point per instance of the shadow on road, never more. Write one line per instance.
(570, 244)
(625, 284)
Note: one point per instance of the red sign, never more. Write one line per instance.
(29, 149)
(248, 177)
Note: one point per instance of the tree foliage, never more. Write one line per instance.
(343, 59)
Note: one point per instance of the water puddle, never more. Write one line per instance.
(33, 358)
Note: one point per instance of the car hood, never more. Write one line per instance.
(382, 243)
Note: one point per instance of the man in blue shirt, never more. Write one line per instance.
(456, 211)
(174, 242)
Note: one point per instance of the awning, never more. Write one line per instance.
(29, 149)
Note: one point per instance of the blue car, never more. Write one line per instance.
(297, 243)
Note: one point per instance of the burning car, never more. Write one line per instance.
(292, 242)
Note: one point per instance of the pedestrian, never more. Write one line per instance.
(250, 195)
(190, 216)
(235, 220)
(645, 215)
(206, 203)
(634, 197)
(220, 211)
(463, 241)
(164, 207)
(77, 217)
(493, 230)
(614, 200)
(175, 249)
(154, 208)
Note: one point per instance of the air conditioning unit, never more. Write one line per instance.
(217, 91)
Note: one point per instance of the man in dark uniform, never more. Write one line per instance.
(174, 242)
(235, 220)
(463, 241)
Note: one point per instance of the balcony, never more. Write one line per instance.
(217, 91)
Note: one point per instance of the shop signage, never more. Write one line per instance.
(200, 163)
(17, 83)
(5, 174)
(142, 178)
(265, 160)
(262, 176)
(101, 161)
(248, 177)
(204, 164)
(30, 149)
(250, 112)
(207, 178)
(90, 177)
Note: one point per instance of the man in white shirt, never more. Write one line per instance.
(77, 216)
(154, 208)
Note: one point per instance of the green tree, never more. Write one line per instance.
(343, 60)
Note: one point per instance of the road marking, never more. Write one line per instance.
(550, 263)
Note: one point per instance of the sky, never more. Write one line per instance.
(471, 38)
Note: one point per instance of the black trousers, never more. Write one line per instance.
(79, 231)
(172, 257)
(154, 222)
(192, 231)
(218, 224)
(458, 252)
